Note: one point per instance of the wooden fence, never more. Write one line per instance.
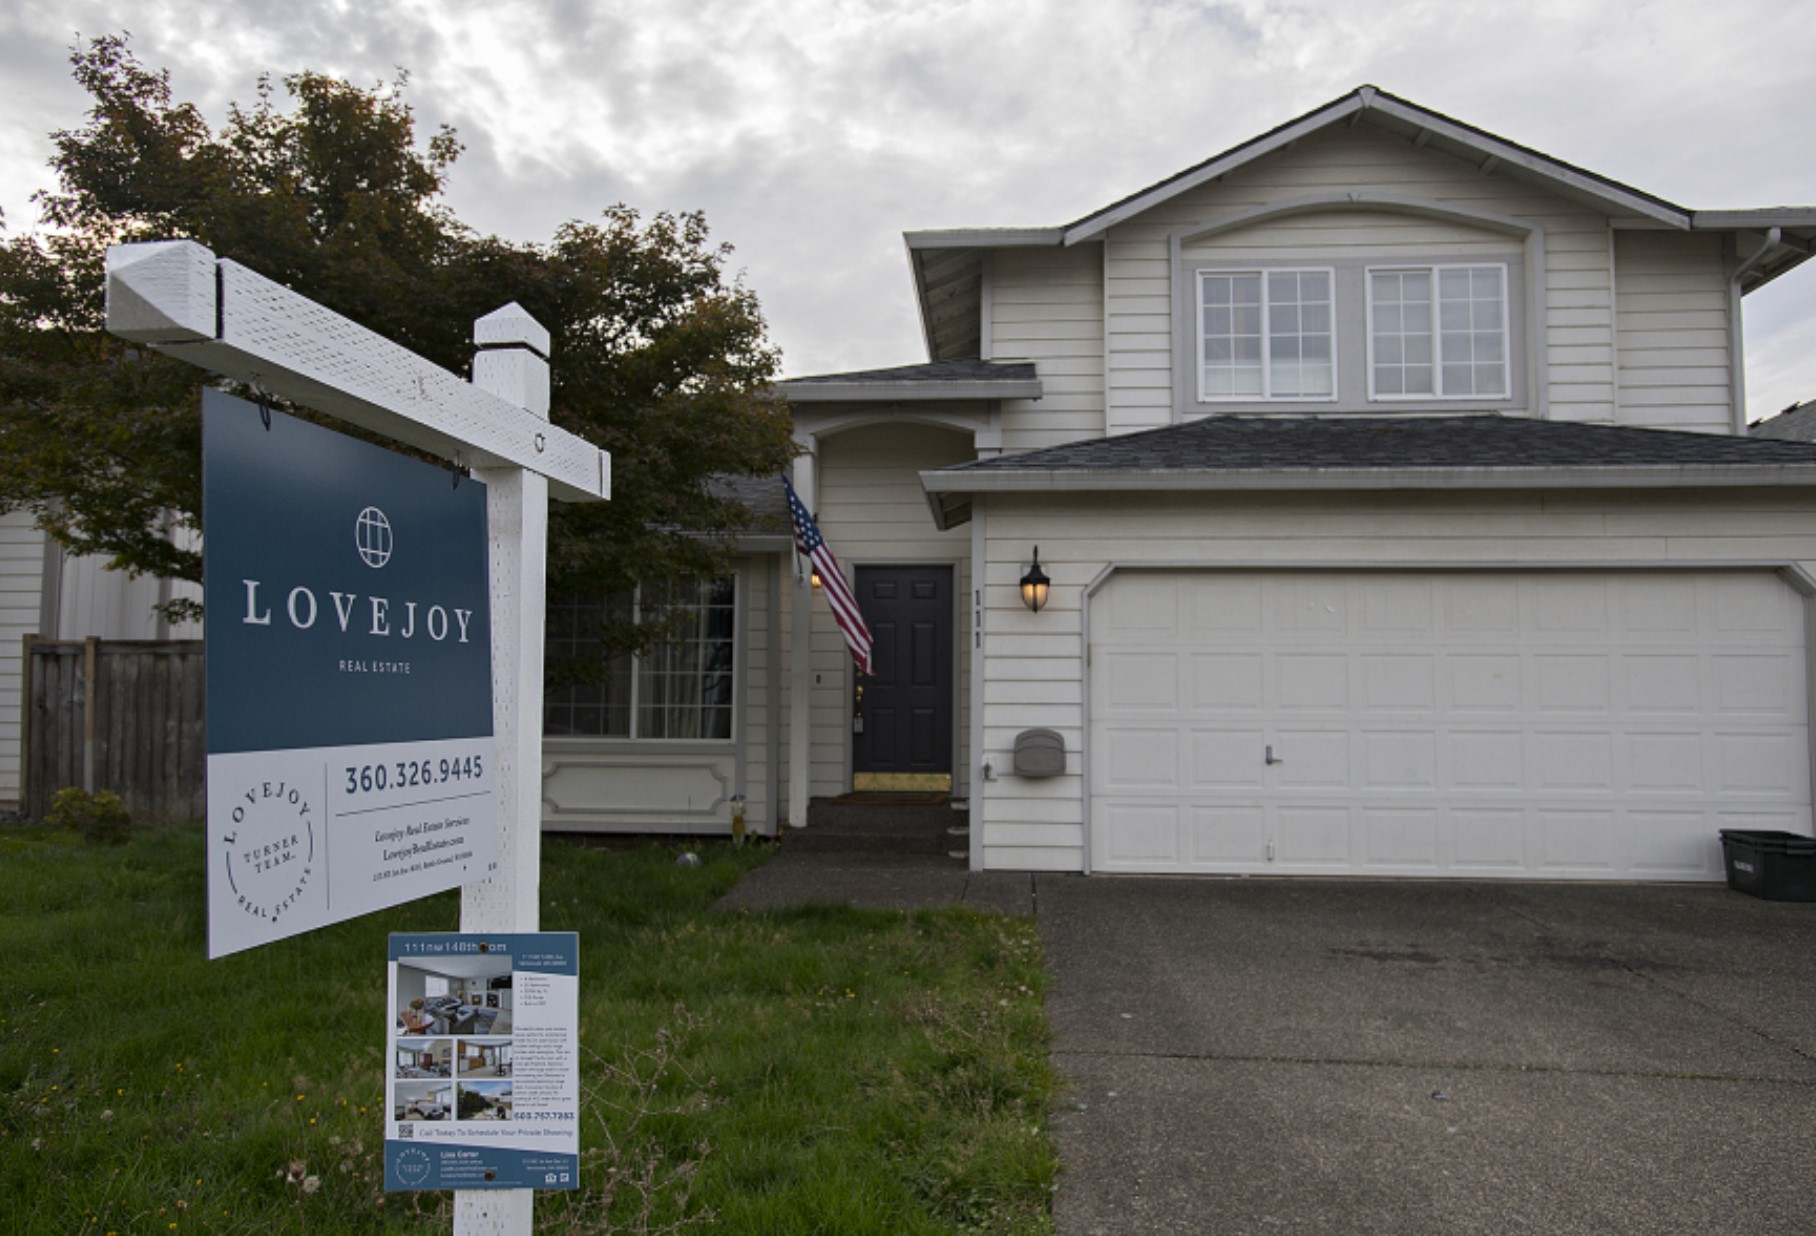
(120, 715)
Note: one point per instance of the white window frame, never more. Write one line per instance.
(1267, 395)
(634, 704)
(1435, 271)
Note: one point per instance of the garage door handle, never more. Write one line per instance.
(1272, 759)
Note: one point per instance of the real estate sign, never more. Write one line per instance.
(348, 628)
(482, 1085)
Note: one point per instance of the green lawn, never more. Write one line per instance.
(821, 1070)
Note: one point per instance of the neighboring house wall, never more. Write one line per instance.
(21, 614)
(1572, 362)
(1033, 665)
(1673, 325)
(1046, 306)
(873, 511)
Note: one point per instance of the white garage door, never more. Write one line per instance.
(1553, 726)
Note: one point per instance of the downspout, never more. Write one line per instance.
(1737, 376)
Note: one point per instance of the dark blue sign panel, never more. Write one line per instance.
(482, 1086)
(348, 626)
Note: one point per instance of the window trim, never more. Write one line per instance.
(1435, 269)
(673, 745)
(1200, 274)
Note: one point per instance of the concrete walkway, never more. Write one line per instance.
(1387, 1056)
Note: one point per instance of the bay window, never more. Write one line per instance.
(680, 689)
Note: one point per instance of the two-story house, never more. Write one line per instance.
(1391, 485)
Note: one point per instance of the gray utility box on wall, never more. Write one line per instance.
(1039, 753)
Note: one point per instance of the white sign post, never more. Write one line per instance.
(178, 298)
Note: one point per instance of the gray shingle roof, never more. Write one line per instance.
(937, 371)
(1366, 443)
(1795, 424)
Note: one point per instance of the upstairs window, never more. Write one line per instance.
(679, 690)
(1266, 335)
(1438, 332)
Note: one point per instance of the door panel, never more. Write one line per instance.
(906, 737)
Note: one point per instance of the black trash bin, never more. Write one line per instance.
(1775, 866)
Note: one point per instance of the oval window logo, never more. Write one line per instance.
(372, 534)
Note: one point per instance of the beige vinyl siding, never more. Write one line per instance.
(1034, 663)
(1046, 306)
(757, 781)
(21, 595)
(1673, 331)
(1578, 262)
(872, 510)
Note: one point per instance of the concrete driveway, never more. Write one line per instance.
(1326, 1056)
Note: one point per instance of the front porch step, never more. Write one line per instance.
(878, 828)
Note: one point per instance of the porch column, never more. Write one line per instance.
(800, 679)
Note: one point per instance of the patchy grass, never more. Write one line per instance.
(814, 1071)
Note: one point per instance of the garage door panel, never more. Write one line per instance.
(1226, 758)
(1573, 760)
(1311, 681)
(1485, 682)
(1138, 759)
(1142, 681)
(1750, 765)
(1666, 844)
(1586, 726)
(1577, 843)
(1311, 758)
(1226, 682)
(1487, 760)
(1399, 680)
(1142, 837)
(1665, 763)
(1663, 684)
(1397, 609)
(1570, 683)
(1399, 760)
(1400, 839)
(1487, 840)
(1756, 684)
(1570, 606)
(1651, 608)
(1235, 834)
(1314, 837)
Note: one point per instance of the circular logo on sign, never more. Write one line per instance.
(270, 852)
(372, 533)
(412, 1166)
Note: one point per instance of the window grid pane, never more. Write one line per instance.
(1458, 351)
(1267, 336)
(682, 687)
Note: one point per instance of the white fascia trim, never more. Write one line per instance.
(1261, 479)
(1743, 220)
(1215, 168)
(1504, 152)
(986, 238)
(906, 392)
(1539, 165)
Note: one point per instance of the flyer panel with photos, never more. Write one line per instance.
(482, 1075)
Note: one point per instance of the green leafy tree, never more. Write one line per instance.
(660, 356)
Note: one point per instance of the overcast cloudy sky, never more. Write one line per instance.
(814, 132)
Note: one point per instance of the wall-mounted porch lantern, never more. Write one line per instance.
(1035, 585)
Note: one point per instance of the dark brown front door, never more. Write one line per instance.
(904, 740)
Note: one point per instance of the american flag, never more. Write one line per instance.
(845, 610)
